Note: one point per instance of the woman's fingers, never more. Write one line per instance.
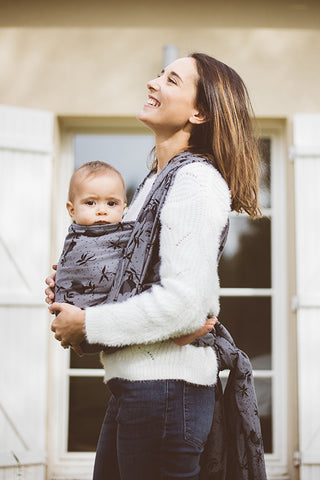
(206, 328)
(50, 281)
(56, 307)
(69, 323)
(78, 350)
(49, 295)
(211, 322)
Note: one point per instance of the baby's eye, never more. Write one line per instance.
(90, 202)
(112, 203)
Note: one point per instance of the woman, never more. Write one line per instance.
(161, 410)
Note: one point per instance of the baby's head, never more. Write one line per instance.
(97, 194)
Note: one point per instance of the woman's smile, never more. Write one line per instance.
(152, 102)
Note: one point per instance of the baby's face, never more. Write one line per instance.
(98, 200)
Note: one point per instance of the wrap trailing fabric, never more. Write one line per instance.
(234, 449)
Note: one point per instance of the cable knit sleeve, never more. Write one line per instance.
(193, 216)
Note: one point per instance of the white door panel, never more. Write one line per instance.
(307, 194)
(26, 138)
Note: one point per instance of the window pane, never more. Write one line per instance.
(87, 361)
(265, 157)
(263, 387)
(248, 320)
(127, 153)
(246, 259)
(88, 399)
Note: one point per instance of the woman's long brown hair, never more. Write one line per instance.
(227, 137)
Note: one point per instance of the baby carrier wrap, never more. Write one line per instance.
(107, 263)
(128, 264)
(89, 262)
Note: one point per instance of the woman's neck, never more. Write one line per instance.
(168, 148)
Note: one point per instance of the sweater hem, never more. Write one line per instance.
(185, 369)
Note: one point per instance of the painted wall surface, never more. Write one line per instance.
(207, 13)
(95, 59)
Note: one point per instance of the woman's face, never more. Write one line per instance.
(171, 101)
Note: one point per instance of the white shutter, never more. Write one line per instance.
(307, 193)
(26, 139)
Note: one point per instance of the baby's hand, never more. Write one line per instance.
(206, 328)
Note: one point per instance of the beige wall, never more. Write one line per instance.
(86, 59)
(140, 13)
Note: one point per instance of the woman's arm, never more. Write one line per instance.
(192, 218)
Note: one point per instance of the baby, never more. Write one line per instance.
(96, 239)
(96, 242)
(97, 195)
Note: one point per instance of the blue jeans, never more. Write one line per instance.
(154, 430)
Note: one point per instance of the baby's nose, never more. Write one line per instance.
(102, 210)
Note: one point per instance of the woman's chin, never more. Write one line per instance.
(143, 117)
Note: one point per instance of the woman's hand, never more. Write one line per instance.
(50, 282)
(69, 325)
(186, 339)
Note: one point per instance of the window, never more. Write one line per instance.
(246, 281)
(253, 295)
(252, 272)
(130, 154)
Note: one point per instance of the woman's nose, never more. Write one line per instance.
(153, 85)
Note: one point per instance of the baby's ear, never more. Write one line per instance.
(70, 208)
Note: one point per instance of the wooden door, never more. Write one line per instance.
(26, 138)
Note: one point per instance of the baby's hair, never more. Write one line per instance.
(90, 169)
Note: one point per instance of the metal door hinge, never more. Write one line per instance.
(297, 459)
(294, 303)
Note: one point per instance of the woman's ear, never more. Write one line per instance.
(197, 118)
(70, 208)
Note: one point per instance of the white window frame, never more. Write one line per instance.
(277, 461)
(64, 465)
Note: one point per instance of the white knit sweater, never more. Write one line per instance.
(193, 216)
